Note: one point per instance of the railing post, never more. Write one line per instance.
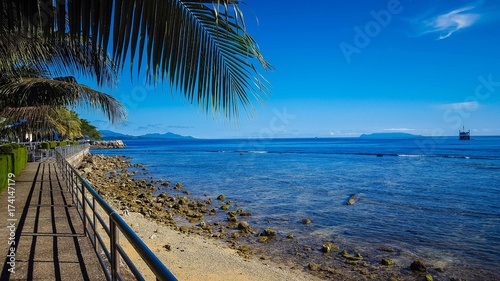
(74, 189)
(94, 228)
(63, 168)
(84, 211)
(114, 237)
(67, 173)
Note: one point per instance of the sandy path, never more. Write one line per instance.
(196, 258)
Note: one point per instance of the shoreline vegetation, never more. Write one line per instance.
(188, 234)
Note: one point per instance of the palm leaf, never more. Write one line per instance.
(62, 92)
(57, 57)
(200, 47)
(34, 118)
(44, 120)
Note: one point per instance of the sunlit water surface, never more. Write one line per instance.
(433, 198)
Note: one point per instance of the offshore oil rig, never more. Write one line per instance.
(463, 135)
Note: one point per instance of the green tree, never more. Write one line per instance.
(200, 47)
(69, 126)
(90, 130)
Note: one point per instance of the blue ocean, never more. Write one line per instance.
(436, 199)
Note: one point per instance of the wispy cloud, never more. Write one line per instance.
(179, 127)
(159, 128)
(461, 105)
(447, 24)
(399, 129)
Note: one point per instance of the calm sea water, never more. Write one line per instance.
(434, 198)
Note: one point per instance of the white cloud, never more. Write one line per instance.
(345, 133)
(461, 105)
(399, 129)
(447, 24)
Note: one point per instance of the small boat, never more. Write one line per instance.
(463, 135)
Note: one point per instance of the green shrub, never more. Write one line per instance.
(20, 156)
(5, 169)
(12, 162)
(6, 148)
(15, 145)
(52, 144)
(45, 145)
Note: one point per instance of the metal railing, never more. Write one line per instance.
(39, 155)
(88, 202)
(70, 150)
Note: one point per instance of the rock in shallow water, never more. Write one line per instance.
(245, 226)
(306, 221)
(418, 265)
(269, 232)
(328, 246)
(387, 262)
(314, 266)
(348, 256)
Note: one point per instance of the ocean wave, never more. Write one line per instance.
(435, 156)
(455, 156)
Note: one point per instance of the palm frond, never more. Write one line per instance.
(29, 91)
(33, 118)
(58, 56)
(200, 47)
(42, 119)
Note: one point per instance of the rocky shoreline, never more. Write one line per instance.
(128, 188)
(107, 144)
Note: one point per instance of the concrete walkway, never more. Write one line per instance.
(44, 230)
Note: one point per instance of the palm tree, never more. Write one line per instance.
(52, 120)
(33, 94)
(68, 124)
(30, 95)
(200, 47)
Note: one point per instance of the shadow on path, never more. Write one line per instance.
(49, 242)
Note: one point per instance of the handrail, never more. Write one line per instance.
(69, 150)
(81, 190)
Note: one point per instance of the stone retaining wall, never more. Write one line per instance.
(76, 159)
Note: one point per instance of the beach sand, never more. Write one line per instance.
(192, 257)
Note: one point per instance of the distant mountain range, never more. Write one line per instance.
(389, 136)
(110, 135)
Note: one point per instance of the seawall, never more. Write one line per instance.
(76, 159)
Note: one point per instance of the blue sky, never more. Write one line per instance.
(344, 68)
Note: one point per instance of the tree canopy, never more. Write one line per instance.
(89, 130)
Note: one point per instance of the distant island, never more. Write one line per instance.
(110, 135)
(389, 136)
